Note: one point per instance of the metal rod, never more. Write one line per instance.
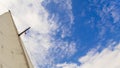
(24, 31)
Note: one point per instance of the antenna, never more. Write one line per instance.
(24, 31)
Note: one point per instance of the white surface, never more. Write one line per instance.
(11, 52)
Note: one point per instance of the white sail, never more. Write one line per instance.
(12, 52)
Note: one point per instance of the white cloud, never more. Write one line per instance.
(116, 16)
(38, 40)
(65, 65)
(101, 60)
(107, 58)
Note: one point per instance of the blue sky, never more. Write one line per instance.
(94, 25)
(69, 33)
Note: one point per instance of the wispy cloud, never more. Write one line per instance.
(62, 49)
(61, 12)
(39, 39)
(65, 65)
(106, 20)
(99, 60)
(95, 59)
